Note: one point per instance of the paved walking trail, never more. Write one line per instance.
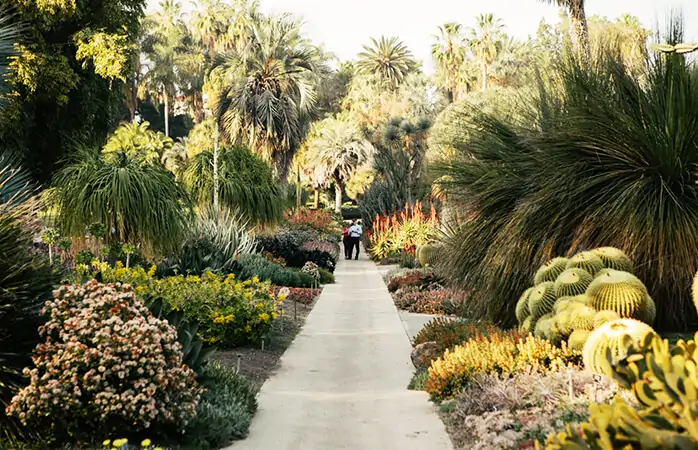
(343, 382)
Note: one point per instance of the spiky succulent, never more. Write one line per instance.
(602, 317)
(577, 339)
(572, 282)
(581, 317)
(522, 310)
(614, 258)
(602, 272)
(588, 261)
(563, 322)
(650, 311)
(609, 336)
(428, 254)
(621, 292)
(526, 325)
(550, 270)
(543, 326)
(542, 299)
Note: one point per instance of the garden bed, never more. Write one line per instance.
(256, 364)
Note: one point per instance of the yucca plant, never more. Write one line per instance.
(26, 281)
(246, 184)
(598, 158)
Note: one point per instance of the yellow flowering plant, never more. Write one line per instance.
(230, 312)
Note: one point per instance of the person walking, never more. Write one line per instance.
(346, 241)
(355, 232)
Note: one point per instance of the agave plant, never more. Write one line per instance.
(600, 157)
(25, 284)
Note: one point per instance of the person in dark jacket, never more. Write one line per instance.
(346, 242)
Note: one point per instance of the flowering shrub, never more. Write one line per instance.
(501, 352)
(230, 312)
(402, 232)
(414, 277)
(322, 246)
(106, 363)
(312, 269)
(447, 333)
(429, 301)
(300, 295)
(319, 220)
(271, 258)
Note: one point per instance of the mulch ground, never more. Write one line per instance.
(256, 364)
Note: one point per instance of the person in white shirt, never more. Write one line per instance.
(355, 232)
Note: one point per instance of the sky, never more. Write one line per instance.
(343, 27)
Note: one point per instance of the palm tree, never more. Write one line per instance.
(578, 20)
(389, 58)
(448, 53)
(271, 91)
(338, 149)
(485, 41)
(162, 48)
(176, 157)
(208, 23)
(9, 34)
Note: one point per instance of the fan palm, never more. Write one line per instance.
(246, 184)
(208, 23)
(138, 202)
(389, 58)
(271, 91)
(578, 20)
(175, 158)
(448, 53)
(338, 149)
(485, 41)
(9, 34)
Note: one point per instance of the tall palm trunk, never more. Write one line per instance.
(316, 198)
(578, 21)
(337, 195)
(167, 122)
(484, 74)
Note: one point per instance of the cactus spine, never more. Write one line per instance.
(542, 299)
(522, 310)
(621, 292)
(614, 258)
(572, 282)
(550, 270)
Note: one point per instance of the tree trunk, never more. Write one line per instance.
(50, 254)
(454, 84)
(167, 124)
(484, 75)
(578, 21)
(316, 200)
(337, 196)
(128, 260)
(215, 167)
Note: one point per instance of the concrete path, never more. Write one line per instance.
(342, 383)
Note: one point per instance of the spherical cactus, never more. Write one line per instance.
(542, 299)
(577, 340)
(582, 317)
(695, 291)
(526, 325)
(563, 322)
(543, 326)
(572, 282)
(621, 292)
(614, 258)
(611, 336)
(586, 260)
(602, 317)
(602, 272)
(428, 254)
(550, 270)
(650, 311)
(554, 336)
(522, 310)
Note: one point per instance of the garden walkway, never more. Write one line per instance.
(342, 383)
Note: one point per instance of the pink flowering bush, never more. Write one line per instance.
(106, 364)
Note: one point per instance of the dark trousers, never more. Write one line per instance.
(347, 249)
(354, 242)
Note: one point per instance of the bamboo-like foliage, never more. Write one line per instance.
(138, 202)
(599, 158)
(246, 184)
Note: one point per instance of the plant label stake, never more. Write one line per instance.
(262, 344)
(295, 309)
(570, 386)
(237, 371)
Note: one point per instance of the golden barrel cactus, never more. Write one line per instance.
(614, 258)
(577, 340)
(602, 317)
(542, 299)
(588, 261)
(572, 282)
(621, 292)
(550, 270)
(522, 310)
(610, 336)
(581, 317)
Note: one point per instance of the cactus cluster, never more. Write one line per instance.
(664, 382)
(428, 254)
(574, 296)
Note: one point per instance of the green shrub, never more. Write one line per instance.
(448, 333)
(258, 266)
(326, 277)
(225, 409)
